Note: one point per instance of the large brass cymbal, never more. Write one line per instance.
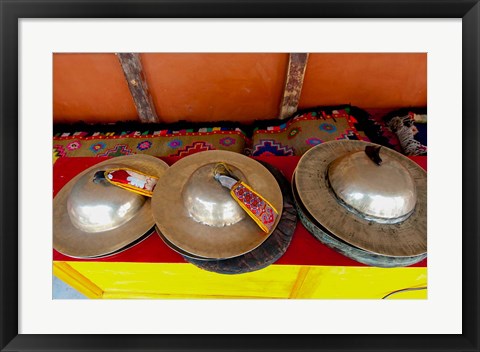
(400, 229)
(195, 213)
(94, 220)
(344, 248)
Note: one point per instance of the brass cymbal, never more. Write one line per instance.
(196, 214)
(94, 220)
(378, 208)
(344, 248)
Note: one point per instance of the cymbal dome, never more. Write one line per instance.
(383, 193)
(97, 207)
(208, 202)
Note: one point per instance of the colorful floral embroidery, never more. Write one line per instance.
(174, 144)
(74, 145)
(144, 145)
(59, 150)
(293, 132)
(270, 147)
(96, 147)
(227, 141)
(255, 205)
(193, 148)
(314, 141)
(328, 127)
(118, 150)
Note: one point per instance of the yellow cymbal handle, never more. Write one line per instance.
(256, 206)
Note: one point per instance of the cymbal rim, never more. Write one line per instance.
(179, 250)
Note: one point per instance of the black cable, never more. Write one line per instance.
(405, 289)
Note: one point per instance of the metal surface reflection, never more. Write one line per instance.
(209, 203)
(96, 207)
(383, 193)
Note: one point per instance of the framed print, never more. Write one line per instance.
(33, 31)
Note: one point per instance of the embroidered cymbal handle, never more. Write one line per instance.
(257, 207)
(131, 180)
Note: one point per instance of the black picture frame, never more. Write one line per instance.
(12, 11)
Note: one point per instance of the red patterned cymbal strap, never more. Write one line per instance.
(257, 207)
(132, 180)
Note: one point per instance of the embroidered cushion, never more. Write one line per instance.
(157, 143)
(306, 130)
